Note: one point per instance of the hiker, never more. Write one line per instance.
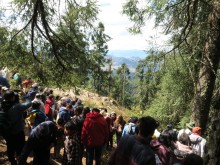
(27, 84)
(15, 137)
(119, 125)
(187, 130)
(60, 137)
(36, 116)
(63, 112)
(38, 99)
(136, 149)
(32, 92)
(94, 136)
(130, 128)
(198, 142)
(112, 129)
(72, 145)
(48, 107)
(39, 141)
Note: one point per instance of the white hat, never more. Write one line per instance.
(35, 85)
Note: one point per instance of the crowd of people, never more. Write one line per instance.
(65, 123)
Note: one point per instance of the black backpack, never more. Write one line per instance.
(4, 119)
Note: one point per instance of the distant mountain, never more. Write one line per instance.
(129, 57)
(128, 53)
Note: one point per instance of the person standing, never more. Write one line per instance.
(72, 145)
(15, 137)
(39, 141)
(136, 149)
(48, 107)
(94, 136)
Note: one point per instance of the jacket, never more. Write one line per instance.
(133, 150)
(94, 131)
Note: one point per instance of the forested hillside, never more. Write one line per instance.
(65, 47)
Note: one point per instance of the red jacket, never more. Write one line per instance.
(94, 131)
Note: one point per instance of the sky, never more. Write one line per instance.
(116, 26)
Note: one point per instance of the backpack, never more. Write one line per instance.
(4, 120)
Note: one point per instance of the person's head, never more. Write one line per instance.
(60, 122)
(184, 139)
(63, 104)
(192, 159)
(165, 139)
(70, 128)
(38, 96)
(133, 119)
(197, 130)
(146, 126)
(9, 96)
(78, 111)
(120, 118)
(103, 113)
(51, 97)
(95, 110)
(113, 115)
(36, 104)
(85, 111)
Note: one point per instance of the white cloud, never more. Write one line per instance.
(116, 26)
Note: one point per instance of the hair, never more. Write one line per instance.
(70, 125)
(51, 96)
(85, 111)
(35, 104)
(192, 159)
(73, 125)
(95, 110)
(133, 119)
(119, 119)
(79, 110)
(60, 121)
(166, 139)
(184, 139)
(8, 96)
(147, 126)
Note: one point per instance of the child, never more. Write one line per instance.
(72, 145)
(60, 137)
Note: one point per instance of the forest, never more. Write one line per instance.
(62, 44)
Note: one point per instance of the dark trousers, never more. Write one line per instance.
(15, 144)
(94, 152)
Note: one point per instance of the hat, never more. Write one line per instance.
(196, 129)
(4, 88)
(190, 125)
(35, 85)
(68, 100)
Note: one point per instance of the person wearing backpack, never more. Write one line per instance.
(130, 128)
(136, 149)
(36, 116)
(15, 137)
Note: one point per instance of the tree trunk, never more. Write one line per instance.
(208, 70)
